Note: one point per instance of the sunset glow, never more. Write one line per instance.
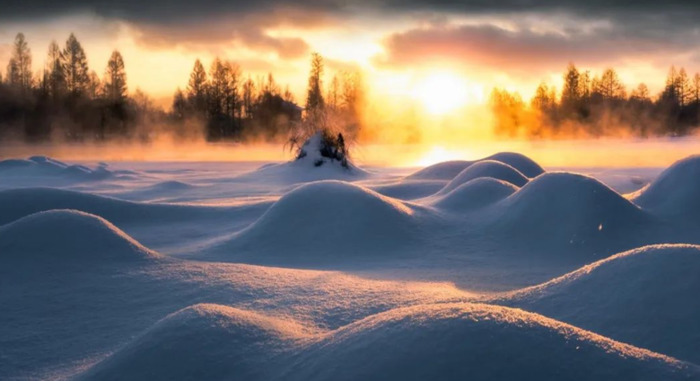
(441, 92)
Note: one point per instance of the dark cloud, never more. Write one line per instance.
(225, 31)
(525, 50)
(177, 10)
(244, 22)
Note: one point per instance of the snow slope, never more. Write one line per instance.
(449, 169)
(675, 192)
(486, 168)
(67, 236)
(566, 209)
(445, 341)
(46, 166)
(646, 297)
(311, 166)
(202, 342)
(329, 219)
(82, 298)
(474, 194)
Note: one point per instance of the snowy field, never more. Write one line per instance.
(490, 270)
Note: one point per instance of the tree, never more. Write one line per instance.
(75, 66)
(232, 99)
(115, 79)
(56, 82)
(197, 88)
(217, 87)
(508, 109)
(12, 75)
(571, 93)
(248, 97)
(609, 85)
(696, 89)
(179, 105)
(641, 93)
(22, 61)
(270, 86)
(314, 97)
(94, 87)
(683, 88)
(333, 96)
(352, 101)
(287, 95)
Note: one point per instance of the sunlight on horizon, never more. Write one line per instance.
(441, 92)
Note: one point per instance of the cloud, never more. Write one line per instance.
(526, 48)
(636, 25)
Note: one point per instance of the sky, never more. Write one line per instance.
(404, 47)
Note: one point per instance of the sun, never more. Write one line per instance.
(438, 154)
(441, 92)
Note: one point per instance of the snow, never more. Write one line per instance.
(486, 269)
(475, 194)
(646, 297)
(486, 169)
(343, 218)
(567, 208)
(449, 169)
(65, 236)
(675, 191)
(446, 341)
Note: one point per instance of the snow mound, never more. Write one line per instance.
(475, 194)
(17, 203)
(567, 208)
(409, 189)
(675, 192)
(449, 169)
(46, 166)
(646, 297)
(446, 170)
(522, 163)
(201, 342)
(476, 342)
(340, 216)
(170, 186)
(62, 235)
(310, 165)
(425, 342)
(486, 168)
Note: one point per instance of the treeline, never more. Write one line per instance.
(65, 100)
(233, 106)
(600, 105)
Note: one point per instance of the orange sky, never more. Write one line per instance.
(399, 54)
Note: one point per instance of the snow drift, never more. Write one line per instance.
(474, 194)
(445, 170)
(567, 209)
(443, 341)
(522, 163)
(310, 165)
(327, 218)
(67, 235)
(646, 297)
(476, 342)
(449, 169)
(486, 168)
(17, 203)
(202, 342)
(46, 166)
(409, 189)
(675, 191)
